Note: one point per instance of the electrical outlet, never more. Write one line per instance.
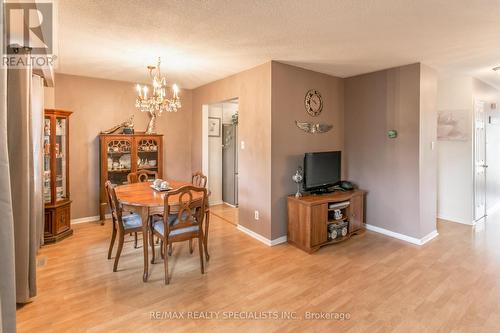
(242, 144)
(256, 214)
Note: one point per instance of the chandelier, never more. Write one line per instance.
(156, 102)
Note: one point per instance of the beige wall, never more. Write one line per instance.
(289, 143)
(455, 164)
(270, 100)
(98, 105)
(253, 88)
(455, 172)
(390, 169)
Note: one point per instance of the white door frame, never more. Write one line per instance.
(479, 162)
(204, 141)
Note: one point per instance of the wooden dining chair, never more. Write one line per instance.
(184, 224)
(198, 179)
(141, 176)
(122, 223)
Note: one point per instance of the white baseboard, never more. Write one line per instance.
(454, 219)
(261, 238)
(215, 203)
(279, 240)
(405, 238)
(433, 234)
(89, 219)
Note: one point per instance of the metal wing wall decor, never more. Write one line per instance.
(313, 128)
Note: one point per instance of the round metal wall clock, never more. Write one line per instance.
(313, 102)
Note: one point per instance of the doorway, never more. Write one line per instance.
(486, 159)
(220, 157)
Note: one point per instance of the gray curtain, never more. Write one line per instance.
(20, 136)
(7, 277)
(37, 108)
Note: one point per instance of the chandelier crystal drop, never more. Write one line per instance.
(155, 102)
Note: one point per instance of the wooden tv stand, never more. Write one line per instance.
(310, 215)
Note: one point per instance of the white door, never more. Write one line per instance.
(479, 160)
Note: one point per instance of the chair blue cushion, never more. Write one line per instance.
(173, 220)
(131, 221)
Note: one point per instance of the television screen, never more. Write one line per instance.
(321, 170)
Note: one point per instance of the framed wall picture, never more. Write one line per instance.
(452, 125)
(213, 126)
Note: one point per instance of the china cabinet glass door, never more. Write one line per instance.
(47, 190)
(147, 154)
(61, 160)
(119, 162)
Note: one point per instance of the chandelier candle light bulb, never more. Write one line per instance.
(158, 102)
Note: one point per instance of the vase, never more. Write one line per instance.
(152, 124)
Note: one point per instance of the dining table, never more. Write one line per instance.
(142, 199)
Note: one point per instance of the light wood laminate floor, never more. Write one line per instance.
(226, 212)
(386, 285)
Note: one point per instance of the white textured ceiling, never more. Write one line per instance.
(201, 41)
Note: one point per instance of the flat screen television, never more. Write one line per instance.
(321, 170)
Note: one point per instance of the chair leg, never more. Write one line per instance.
(205, 236)
(112, 243)
(157, 240)
(151, 240)
(119, 251)
(162, 253)
(165, 262)
(170, 249)
(135, 240)
(200, 246)
(191, 246)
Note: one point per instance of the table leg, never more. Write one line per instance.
(145, 236)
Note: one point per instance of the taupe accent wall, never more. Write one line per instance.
(253, 88)
(271, 98)
(99, 104)
(289, 143)
(399, 174)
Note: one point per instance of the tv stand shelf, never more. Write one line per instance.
(309, 217)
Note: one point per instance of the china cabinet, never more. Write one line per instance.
(121, 154)
(56, 175)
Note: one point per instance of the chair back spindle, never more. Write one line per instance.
(199, 179)
(141, 176)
